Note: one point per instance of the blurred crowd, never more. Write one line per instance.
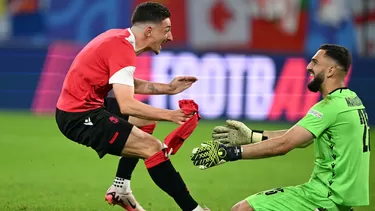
(22, 18)
(271, 26)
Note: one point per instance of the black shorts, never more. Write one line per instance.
(111, 105)
(103, 131)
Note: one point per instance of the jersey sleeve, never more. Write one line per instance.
(318, 118)
(121, 62)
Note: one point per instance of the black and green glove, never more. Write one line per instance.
(213, 153)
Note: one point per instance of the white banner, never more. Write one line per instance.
(218, 23)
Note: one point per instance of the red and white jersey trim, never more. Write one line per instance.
(124, 76)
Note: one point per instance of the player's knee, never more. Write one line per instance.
(242, 206)
(153, 145)
(235, 207)
(141, 144)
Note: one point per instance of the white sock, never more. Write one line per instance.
(122, 184)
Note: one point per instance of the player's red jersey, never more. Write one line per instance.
(109, 58)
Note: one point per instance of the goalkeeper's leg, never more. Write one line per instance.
(302, 198)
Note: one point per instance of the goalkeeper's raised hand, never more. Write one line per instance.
(236, 133)
(213, 153)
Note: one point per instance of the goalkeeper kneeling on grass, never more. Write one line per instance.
(338, 127)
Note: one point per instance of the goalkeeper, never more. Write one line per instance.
(338, 126)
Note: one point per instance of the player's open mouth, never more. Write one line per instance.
(311, 74)
(162, 43)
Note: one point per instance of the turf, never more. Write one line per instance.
(43, 171)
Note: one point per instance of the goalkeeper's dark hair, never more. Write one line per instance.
(150, 12)
(338, 53)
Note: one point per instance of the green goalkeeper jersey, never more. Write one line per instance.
(340, 126)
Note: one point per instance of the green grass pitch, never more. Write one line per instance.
(43, 171)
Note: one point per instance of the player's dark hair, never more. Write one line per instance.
(338, 53)
(150, 12)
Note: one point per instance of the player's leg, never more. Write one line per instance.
(303, 198)
(242, 206)
(121, 185)
(121, 138)
(106, 133)
(127, 165)
(160, 168)
(93, 129)
(148, 125)
(121, 188)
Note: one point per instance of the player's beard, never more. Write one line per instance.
(316, 83)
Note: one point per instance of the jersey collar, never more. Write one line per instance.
(131, 38)
(341, 88)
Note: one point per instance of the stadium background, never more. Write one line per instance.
(249, 56)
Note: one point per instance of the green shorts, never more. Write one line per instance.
(304, 197)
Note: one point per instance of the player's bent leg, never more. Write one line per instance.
(141, 144)
(120, 193)
(302, 197)
(121, 185)
(125, 140)
(160, 168)
(125, 168)
(242, 206)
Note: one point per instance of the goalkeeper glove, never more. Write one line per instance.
(236, 133)
(213, 153)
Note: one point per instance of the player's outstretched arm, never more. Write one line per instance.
(236, 133)
(277, 133)
(150, 88)
(177, 85)
(274, 133)
(281, 145)
(128, 105)
(213, 153)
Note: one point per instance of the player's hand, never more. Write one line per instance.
(213, 153)
(236, 133)
(180, 84)
(178, 116)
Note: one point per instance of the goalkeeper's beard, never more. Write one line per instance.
(316, 83)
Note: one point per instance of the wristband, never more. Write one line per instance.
(234, 153)
(257, 136)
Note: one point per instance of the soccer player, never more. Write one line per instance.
(338, 125)
(108, 63)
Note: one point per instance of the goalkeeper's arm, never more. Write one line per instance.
(295, 137)
(236, 133)
(214, 153)
(274, 133)
(277, 133)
